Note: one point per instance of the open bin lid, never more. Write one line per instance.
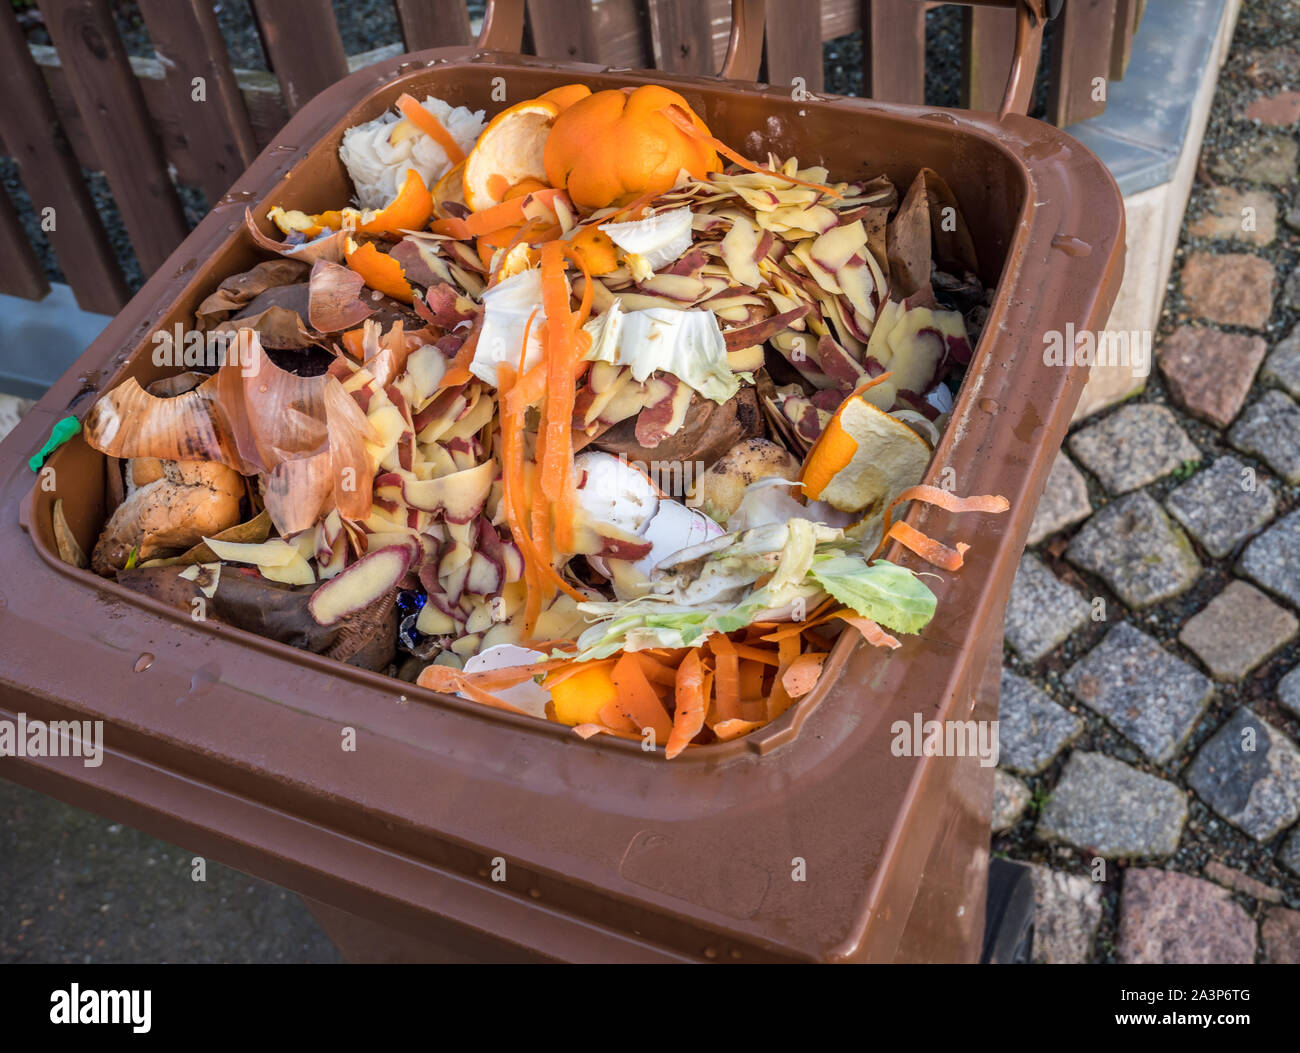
(232, 744)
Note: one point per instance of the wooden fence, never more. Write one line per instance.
(85, 104)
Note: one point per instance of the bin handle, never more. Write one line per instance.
(1031, 16)
(503, 30)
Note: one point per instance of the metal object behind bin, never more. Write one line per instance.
(230, 744)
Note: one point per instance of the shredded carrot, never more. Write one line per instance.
(762, 655)
(728, 682)
(556, 460)
(611, 716)
(637, 699)
(458, 368)
(751, 680)
(568, 667)
(788, 650)
(949, 502)
(587, 731)
(688, 718)
(928, 548)
(871, 632)
(655, 671)
(352, 343)
(726, 730)
(431, 126)
(434, 679)
(674, 114)
(507, 214)
(802, 674)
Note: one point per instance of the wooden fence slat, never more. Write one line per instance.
(680, 33)
(621, 36)
(562, 29)
(1121, 44)
(303, 47)
(192, 52)
(1081, 52)
(433, 23)
(988, 45)
(109, 99)
(893, 50)
(53, 179)
(792, 43)
(21, 273)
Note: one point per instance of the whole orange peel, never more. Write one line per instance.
(612, 146)
(510, 151)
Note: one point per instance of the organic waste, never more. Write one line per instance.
(576, 412)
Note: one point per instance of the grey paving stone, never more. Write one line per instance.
(1291, 291)
(1041, 610)
(1067, 910)
(1135, 445)
(1263, 160)
(1104, 806)
(1282, 367)
(1273, 559)
(1153, 698)
(1222, 505)
(1010, 798)
(1288, 691)
(1064, 501)
(1170, 918)
(1289, 854)
(1237, 630)
(1032, 729)
(1137, 550)
(1270, 430)
(1249, 772)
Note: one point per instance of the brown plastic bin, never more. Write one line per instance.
(230, 744)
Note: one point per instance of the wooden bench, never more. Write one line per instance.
(189, 117)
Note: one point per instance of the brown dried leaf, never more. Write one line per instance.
(70, 550)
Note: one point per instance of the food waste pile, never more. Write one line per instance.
(576, 412)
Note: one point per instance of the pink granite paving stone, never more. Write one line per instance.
(1235, 215)
(1232, 289)
(1281, 935)
(1209, 373)
(1171, 918)
(1280, 111)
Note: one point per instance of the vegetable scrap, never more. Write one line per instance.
(576, 412)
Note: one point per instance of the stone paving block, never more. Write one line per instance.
(1243, 883)
(1104, 806)
(1280, 110)
(1270, 430)
(1222, 505)
(1209, 373)
(1289, 854)
(1282, 367)
(1273, 559)
(1226, 218)
(1135, 445)
(1153, 698)
(1288, 691)
(1064, 501)
(1067, 910)
(1268, 161)
(1249, 772)
(1041, 610)
(1231, 289)
(1291, 291)
(1010, 799)
(1280, 933)
(1237, 630)
(1137, 550)
(1170, 918)
(1032, 729)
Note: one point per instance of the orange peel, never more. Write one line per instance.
(510, 150)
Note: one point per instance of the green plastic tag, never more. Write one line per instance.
(59, 434)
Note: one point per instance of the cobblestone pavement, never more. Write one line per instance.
(1151, 697)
